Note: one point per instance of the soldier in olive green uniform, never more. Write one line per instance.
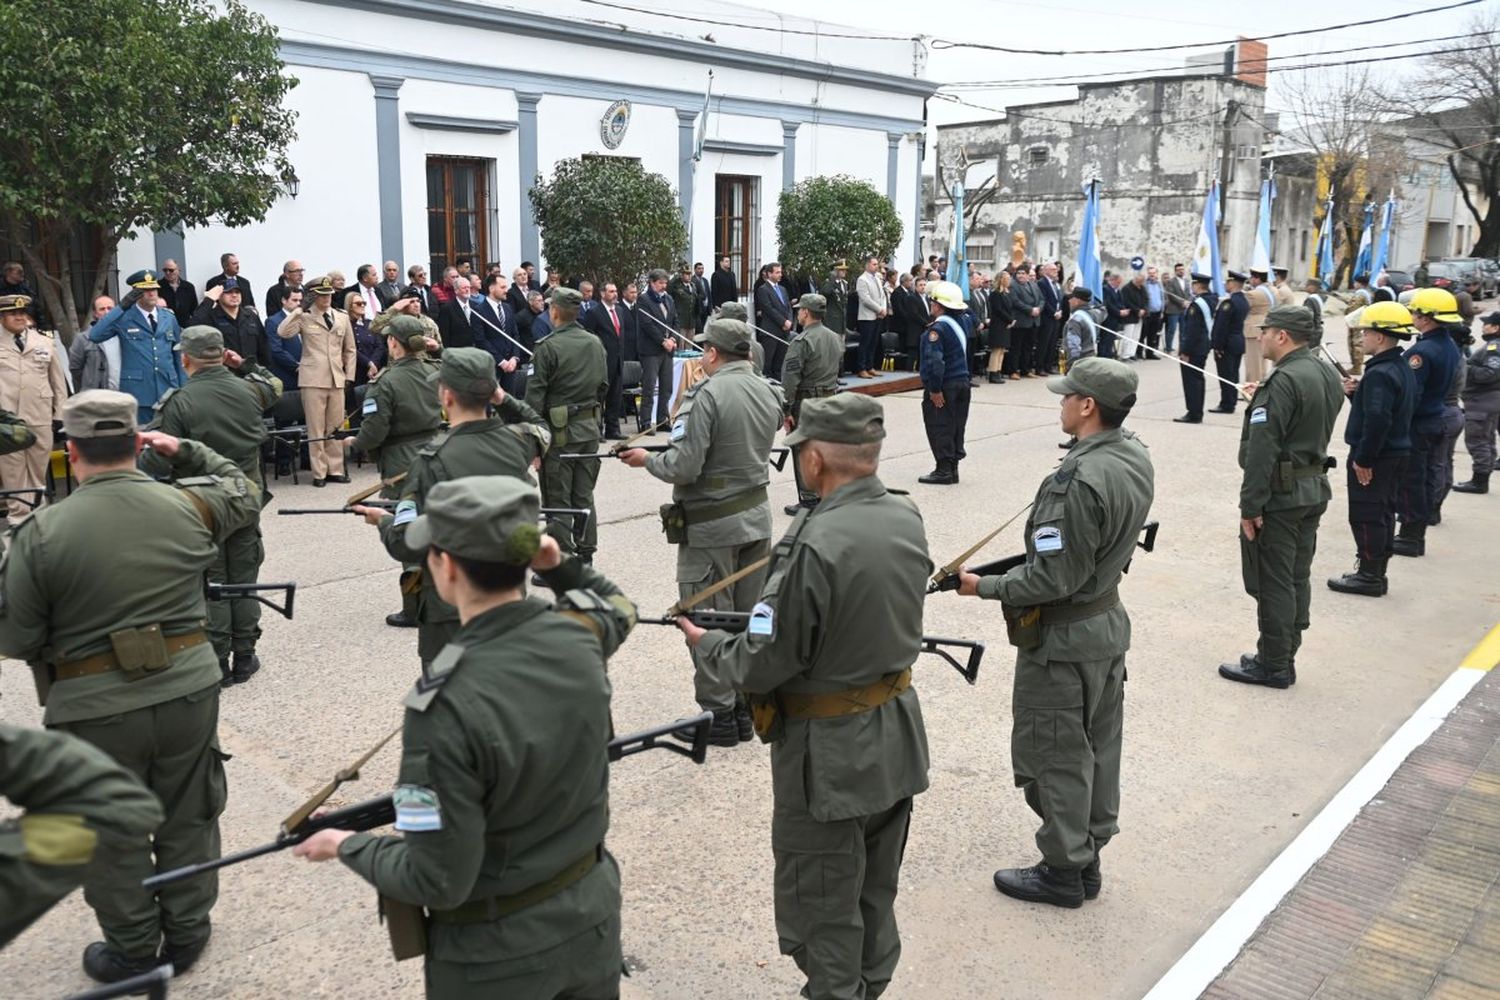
(1284, 452)
(720, 516)
(685, 299)
(401, 414)
(503, 846)
(836, 294)
(737, 310)
(224, 412)
(475, 444)
(1071, 632)
(568, 383)
(103, 595)
(831, 686)
(810, 371)
(74, 797)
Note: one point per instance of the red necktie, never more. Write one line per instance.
(616, 321)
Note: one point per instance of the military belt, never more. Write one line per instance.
(1285, 473)
(736, 504)
(815, 393)
(103, 663)
(1066, 614)
(424, 435)
(855, 701)
(576, 408)
(492, 908)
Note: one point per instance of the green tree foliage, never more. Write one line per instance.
(127, 115)
(824, 219)
(605, 218)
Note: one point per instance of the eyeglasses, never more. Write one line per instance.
(169, 270)
(297, 270)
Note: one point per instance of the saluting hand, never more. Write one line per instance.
(548, 556)
(232, 359)
(164, 445)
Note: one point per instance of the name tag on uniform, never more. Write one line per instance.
(762, 621)
(1258, 415)
(1048, 538)
(417, 809)
(370, 406)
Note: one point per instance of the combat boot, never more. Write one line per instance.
(725, 731)
(183, 957)
(1411, 540)
(227, 680)
(105, 965)
(1042, 883)
(1255, 672)
(245, 666)
(1092, 880)
(940, 476)
(1368, 579)
(1248, 660)
(1478, 483)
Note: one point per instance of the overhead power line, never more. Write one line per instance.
(943, 43)
(720, 22)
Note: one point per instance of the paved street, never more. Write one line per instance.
(1217, 777)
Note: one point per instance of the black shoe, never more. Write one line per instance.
(1478, 483)
(320, 483)
(1410, 541)
(1255, 672)
(744, 723)
(1220, 409)
(1187, 419)
(285, 469)
(105, 965)
(400, 620)
(1092, 880)
(954, 472)
(1248, 660)
(995, 378)
(228, 676)
(725, 732)
(791, 509)
(1042, 884)
(338, 479)
(182, 958)
(245, 665)
(614, 436)
(938, 477)
(1368, 580)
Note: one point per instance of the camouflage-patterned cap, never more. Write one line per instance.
(733, 310)
(729, 335)
(843, 418)
(1292, 319)
(813, 302)
(567, 298)
(469, 370)
(17, 303)
(202, 343)
(488, 518)
(1108, 382)
(98, 413)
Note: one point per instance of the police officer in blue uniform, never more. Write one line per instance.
(1228, 339)
(945, 383)
(148, 332)
(1434, 360)
(1197, 340)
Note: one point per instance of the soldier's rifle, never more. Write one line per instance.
(548, 512)
(1343, 372)
(1000, 567)
(153, 985)
(295, 435)
(381, 811)
(252, 592)
(778, 456)
(739, 621)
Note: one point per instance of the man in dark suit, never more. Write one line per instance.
(918, 316)
(723, 286)
(177, 293)
(420, 290)
(520, 289)
(703, 300)
(1115, 313)
(630, 303)
(773, 310)
(656, 342)
(389, 289)
(229, 267)
(1052, 320)
(606, 323)
(291, 277)
(455, 324)
(495, 327)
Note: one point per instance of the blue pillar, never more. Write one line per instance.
(388, 162)
(892, 161)
(531, 238)
(788, 154)
(686, 119)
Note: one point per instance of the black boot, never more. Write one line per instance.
(245, 665)
(228, 676)
(1253, 671)
(1042, 884)
(725, 731)
(400, 619)
(183, 957)
(1092, 880)
(1478, 483)
(1368, 579)
(941, 476)
(744, 723)
(1247, 660)
(105, 965)
(1411, 540)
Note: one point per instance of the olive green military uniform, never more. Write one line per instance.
(685, 299)
(569, 380)
(487, 818)
(499, 446)
(75, 796)
(832, 640)
(1068, 702)
(1284, 455)
(718, 467)
(225, 411)
(836, 315)
(157, 714)
(736, 310)
(810, 371)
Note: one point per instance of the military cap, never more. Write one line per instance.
(143, 281)
(567, 298)
(319, 286)
(1493, 319)
(812, 301)
(487, 518)
(1278, 269)
(1108, 382)
(729, 335)
(843, 418)
(202, 343)
(841, 264)
(468, 369)
(733, 310)
(1199, 276)
(683, 266)
(1256, 272)
(1235, 276)
(1081, 294)
(1292, 319)
(17, 303)
(98, 413)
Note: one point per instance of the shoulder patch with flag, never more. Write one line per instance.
(1048, 538)
(762, 621)
(370, 406)
(417, 809)
(1259, 415)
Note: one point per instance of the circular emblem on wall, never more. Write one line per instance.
(614, 123)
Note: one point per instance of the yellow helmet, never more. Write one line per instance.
(946, 294)
(1390, 318)
(1437, 303)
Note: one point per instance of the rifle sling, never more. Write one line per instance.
(714, 588)
(350, 773)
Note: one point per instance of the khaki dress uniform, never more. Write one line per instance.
(1262, 299)
(328, 360)
(33, 386)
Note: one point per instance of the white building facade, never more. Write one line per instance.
(422, 125)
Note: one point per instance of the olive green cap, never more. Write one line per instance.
(202, 343)
(1108, 382)
(729, 335)
(408, 330)
(1292, 319)
(813, 302)
(488, 518)
(468, 369)
(844, 418)
(567, 298)
(733, 310)
(99, 413)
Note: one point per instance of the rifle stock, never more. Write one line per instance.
(1000, 567)
(251, 592)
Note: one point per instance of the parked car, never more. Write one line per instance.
(1447, 275)
(1400, 280)
(1488, 272)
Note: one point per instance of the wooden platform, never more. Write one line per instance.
(883, 384)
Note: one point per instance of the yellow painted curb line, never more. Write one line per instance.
(1486, 655)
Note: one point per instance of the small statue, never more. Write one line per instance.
(1017, 248)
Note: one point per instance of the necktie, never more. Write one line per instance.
(20, 342)
(151, 317)
(616, 321)
(328, 320)
(500, 311)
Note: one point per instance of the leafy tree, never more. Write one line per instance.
(824, 219)
(133, 115)
(604, 218)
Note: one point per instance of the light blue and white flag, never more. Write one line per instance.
(1326, 235)
(1363, 259)
(1090, 273)
(1383, 245)
(1206, 259)
(1260, 260)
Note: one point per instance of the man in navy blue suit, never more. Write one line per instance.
(493, 321)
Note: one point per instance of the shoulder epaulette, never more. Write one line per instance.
(431, 682)
(434, 445)
(164, 397)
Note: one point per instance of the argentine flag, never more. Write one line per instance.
(1206, 259)
(1090, 273)
(1260, 260)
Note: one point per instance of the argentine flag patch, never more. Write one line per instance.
(762, 621)
(417, 809)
